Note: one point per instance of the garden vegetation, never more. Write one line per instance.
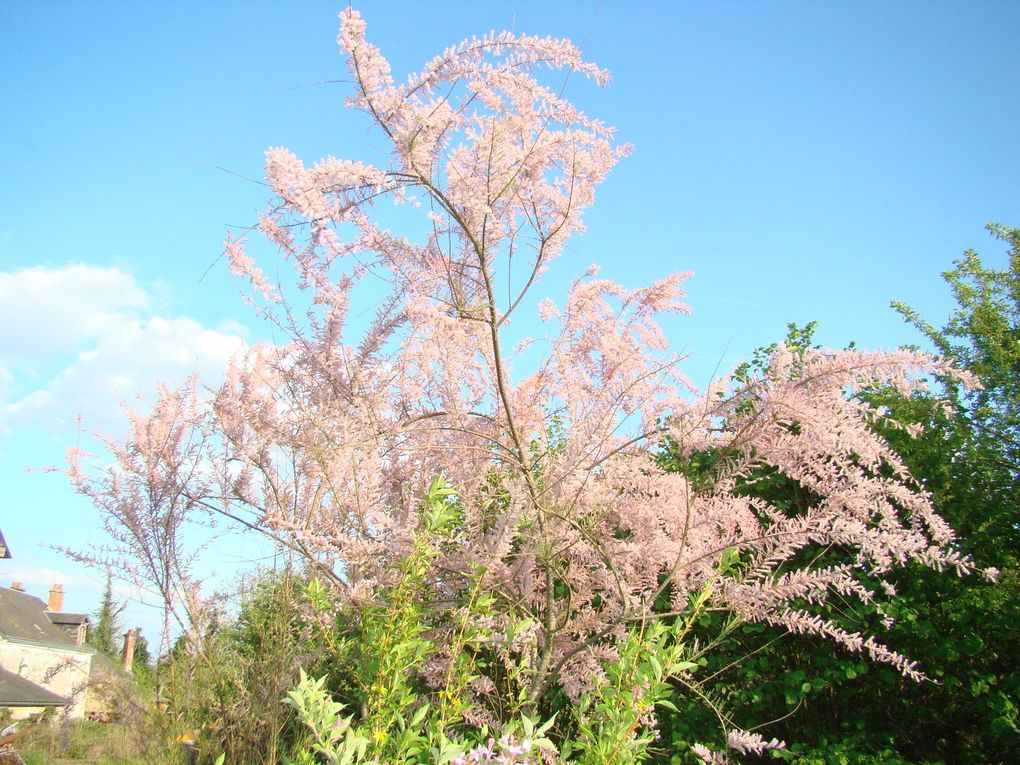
(556, 550)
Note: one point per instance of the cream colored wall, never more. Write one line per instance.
(20, 713)
(66, 673)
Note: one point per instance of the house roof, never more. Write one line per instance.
(4, 550)
(16, 691)
(23, 617)
(63, 618)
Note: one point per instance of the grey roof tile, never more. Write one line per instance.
(16, 691)
(23, 617)
(62, 617)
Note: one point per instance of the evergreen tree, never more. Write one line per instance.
(142, 664)
(106, 630)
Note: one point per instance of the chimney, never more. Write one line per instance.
(128, 655)
(17, 586)
(56, 604)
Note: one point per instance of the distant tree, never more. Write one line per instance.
(233, 693)
(106, 633)
(983, 337)
(964, 631)
(961, 444)
(142, 664)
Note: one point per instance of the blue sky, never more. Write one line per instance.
(808, 161)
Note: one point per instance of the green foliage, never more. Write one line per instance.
(616, 721)
(106, 631)
(831, 707)
(963, 631)
(392, 716)
(142, 663)
(227, 687)
(982, 337)
(102, 744)
(340, 741)
(798, 340)
(332, 735)
(397, 719)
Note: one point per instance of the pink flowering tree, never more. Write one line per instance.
(329, 440)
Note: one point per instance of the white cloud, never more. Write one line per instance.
(82, 339)
(50, 311)
(85, 343)
(38, 579)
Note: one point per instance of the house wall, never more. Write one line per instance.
(77, 632)
(21, 713)
(64, 672)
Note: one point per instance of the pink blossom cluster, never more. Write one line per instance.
(740, 741)
(748, 742)
(327, 441)
(506, 751)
